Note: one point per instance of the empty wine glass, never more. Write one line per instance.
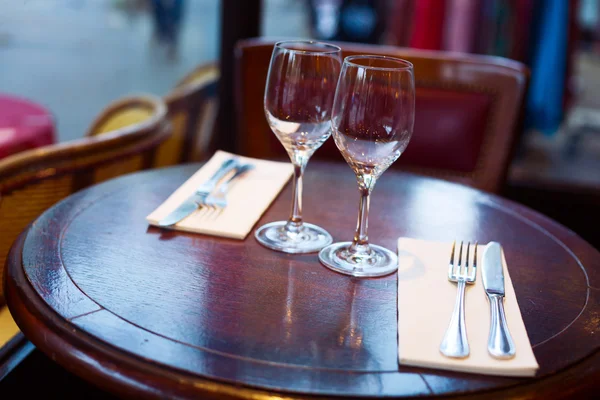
(298, 101)
(373, 117)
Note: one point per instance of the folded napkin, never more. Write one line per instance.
(425, 304)
(247, 199)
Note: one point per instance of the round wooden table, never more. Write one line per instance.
(143, 311)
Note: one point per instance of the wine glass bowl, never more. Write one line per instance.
(299, 94)
(374, 112)
(372, 123)
(298, 101)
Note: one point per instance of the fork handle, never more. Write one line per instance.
(223, 170)
(240, 171)
(455, 343)
(500, 343)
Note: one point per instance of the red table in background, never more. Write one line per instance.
(24, 125)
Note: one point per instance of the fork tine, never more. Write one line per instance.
(475, 261)
(212, 214)
(207, 211)
(459, 267)
(451, 264)
(467, 259)
(211, 211)
(202, 211)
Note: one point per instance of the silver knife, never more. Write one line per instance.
(500, 343)
(193, 202)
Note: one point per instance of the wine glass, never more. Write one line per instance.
(372, 121)
(298, 102)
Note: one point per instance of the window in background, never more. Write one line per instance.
(76, 56)
(285, 19)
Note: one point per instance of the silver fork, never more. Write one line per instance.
(218, 199)
(455, 343)
(197, 199)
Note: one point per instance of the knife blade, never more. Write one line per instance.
(492, 272)
(192, 203)
(189, 206)
(500, 343)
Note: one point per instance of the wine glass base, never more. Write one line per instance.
(310, 239)
(379, 262)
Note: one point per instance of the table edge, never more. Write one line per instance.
(88, 356)
(24, 298)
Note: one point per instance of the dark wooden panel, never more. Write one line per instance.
(571, 205)
(38, 371)
(239, 20)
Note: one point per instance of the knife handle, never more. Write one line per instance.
(500, 343)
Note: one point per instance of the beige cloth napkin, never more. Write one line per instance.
(425, 304)
(247, 199)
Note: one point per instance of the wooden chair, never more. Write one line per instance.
(34, 180)
(468, 109)
(192, 110)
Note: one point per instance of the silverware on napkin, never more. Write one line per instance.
(500, 343)
(455, 343)
(218, 199)
(196, 200)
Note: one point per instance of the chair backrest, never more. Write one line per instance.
(34, 180)
(129, 114)
(468, 109)
(192, 109)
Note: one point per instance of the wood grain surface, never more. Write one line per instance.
(143, 311)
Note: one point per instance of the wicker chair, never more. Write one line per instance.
(34, 180)
(192, 109)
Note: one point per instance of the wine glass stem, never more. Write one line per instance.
(360, 243)
(294, 224)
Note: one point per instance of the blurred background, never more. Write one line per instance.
(75, 56)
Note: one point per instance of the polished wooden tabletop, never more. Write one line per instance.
(144, 311)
